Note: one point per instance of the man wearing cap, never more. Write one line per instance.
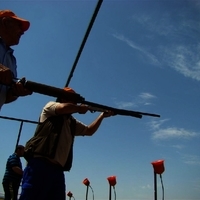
(51, 149)
(11, 29)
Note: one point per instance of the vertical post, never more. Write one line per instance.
(19, 134)
(70, 195)
(86, 193)
(159, 168)
(87, 183)
(155, 186)
(112, 182)
(110, 192)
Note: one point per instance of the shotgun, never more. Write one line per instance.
(93, 107)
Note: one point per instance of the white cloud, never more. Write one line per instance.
(147, 96)
(148, 186)
(143, 98)
(182, 50)
(152, 58)
(173, 133)
(191, 159)
(161, 26)
(156, 124)
(178, 146)
(125, 104)
(185, 60)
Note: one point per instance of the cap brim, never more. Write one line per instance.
(25, 23)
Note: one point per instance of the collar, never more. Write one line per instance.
(5, 47)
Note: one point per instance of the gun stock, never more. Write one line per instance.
(52, 91)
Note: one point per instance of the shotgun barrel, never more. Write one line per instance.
(102, 108)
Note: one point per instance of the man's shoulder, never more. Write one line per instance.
(13, 157)
(48, 111)
(50, 103)
(49, 106)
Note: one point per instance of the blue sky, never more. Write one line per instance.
(140, 55)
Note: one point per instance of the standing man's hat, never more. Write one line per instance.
(8, 13)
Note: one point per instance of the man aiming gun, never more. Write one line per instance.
(43, 177)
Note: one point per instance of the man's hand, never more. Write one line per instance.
(6, 75)
(16, 90)
(83, 109)
(108, 114)
(19, 90)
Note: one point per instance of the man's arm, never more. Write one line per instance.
(17, 170)
(93, 127)
(70, 108)
(6, 75)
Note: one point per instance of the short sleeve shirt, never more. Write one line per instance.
(10, 175)
(7, 59)
(65, 139)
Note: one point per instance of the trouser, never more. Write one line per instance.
(43, 180)
(10, 190)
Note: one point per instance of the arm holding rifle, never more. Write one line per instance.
(92, 128)
(66, 107)
(70, 108)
